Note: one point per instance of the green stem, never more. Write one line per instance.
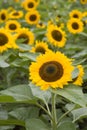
(54, 122)
(44, 110)
(64, 115)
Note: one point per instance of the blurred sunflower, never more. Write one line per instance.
(78, 80)
(16, 0)
(3, 15)
(16, 14)
(40, 25)
(60, 25)
(75, 14)
(12, 25)
(75, 25)
(51, 70)
(26, 35)
(6, 40)
(56, 36)
(29, 4)
(32, 17)
(83, 1)
(40, 47)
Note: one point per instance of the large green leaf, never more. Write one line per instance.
(73, 94)
(24, 113)
(40, 94)
(12, 122)
(3, 64)
(79, 113)
(66, 126)
(6, 98)
(30, 56)
(19, 92)
(35, 124)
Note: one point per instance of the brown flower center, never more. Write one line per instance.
(3, 17)
(40, 49)
(25, 37)
(3, 39)
(57, 35)
(33, 17)
(75, 16)
(75, 25)
(30, 5)
(15, 13)
(12, 26)
(51, 71)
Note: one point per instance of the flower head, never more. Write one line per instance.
(51, 70)
(75, 25)
(56, 36)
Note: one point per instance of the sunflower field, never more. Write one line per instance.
(43, 64)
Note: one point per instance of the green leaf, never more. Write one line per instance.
(40, 94)
(66, 126)
(12, 122)
(35, 124)
(73, 94)
(24, 47)
(79, 113)
(19, 92)
(6, 98)
(30, 56)
(25, 113)
(75, 73)
(3, 64)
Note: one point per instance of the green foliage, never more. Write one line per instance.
(23, 105)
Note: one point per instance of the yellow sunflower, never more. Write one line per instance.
(75, 25)
(3, 15)
(51, 70)
(25, 34)
(16, 14)
(41, 25)
(78, 80)
(32, 17)
(84, 14)
(40, 47)
(29, 5)
(6, 40)
(75, 14)
(12, 25)
(60, 25)
(16, 0)
(83, 1)
(72, 0)
(56, 36)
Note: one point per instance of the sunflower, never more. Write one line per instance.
(12, 25)
(40, 47)
(51, 70)
(29, 5)
(55, 35)
(60, 25)
(83, 1)
(25, 34)
(16, 0)
(6, 40)
(75, 14)
(78, 80)
(41, 25)
(32, 17)
(72, 0)
(75, 25)
(16, 14)
(3, 15)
